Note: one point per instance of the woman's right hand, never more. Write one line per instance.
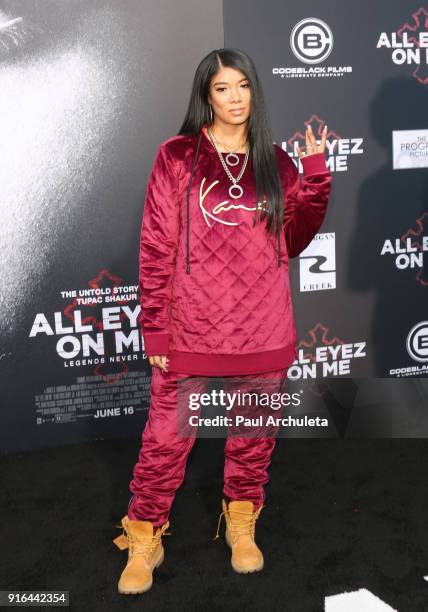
(159, 361)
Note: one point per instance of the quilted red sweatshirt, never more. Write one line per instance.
(214, 291)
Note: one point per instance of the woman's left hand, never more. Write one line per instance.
(311, 145)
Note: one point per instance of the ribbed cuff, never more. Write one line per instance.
(314, 163)
(156, 343)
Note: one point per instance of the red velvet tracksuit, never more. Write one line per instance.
(215, 298)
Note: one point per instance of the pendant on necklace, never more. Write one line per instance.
(240, 191)
(232, 159)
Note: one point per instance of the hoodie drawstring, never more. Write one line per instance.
(188, 207)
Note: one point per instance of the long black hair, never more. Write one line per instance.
(265, 166)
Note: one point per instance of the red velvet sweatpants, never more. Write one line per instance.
(161, 464)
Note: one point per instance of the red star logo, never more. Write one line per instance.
(317, 126)
(420, 24)
(416, 234)
(103, 279)
(319, 335)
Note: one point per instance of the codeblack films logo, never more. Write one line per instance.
(317, 264)
(408, 46)
(339, 149)
(417, 349)
(311, 42)
(417, 342)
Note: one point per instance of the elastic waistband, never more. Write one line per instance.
(208, 364)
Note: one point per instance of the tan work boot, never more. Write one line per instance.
(145, 553)
(240, 529)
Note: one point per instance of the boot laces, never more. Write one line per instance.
(144, 544)
(241, 526)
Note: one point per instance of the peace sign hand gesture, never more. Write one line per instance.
(311, 145)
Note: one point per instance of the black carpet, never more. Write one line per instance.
(340, 515)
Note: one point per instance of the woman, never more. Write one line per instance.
(224, 211)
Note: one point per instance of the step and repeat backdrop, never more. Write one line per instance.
(84, 94)
(361, 287)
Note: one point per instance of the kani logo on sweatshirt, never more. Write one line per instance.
(221, 209)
